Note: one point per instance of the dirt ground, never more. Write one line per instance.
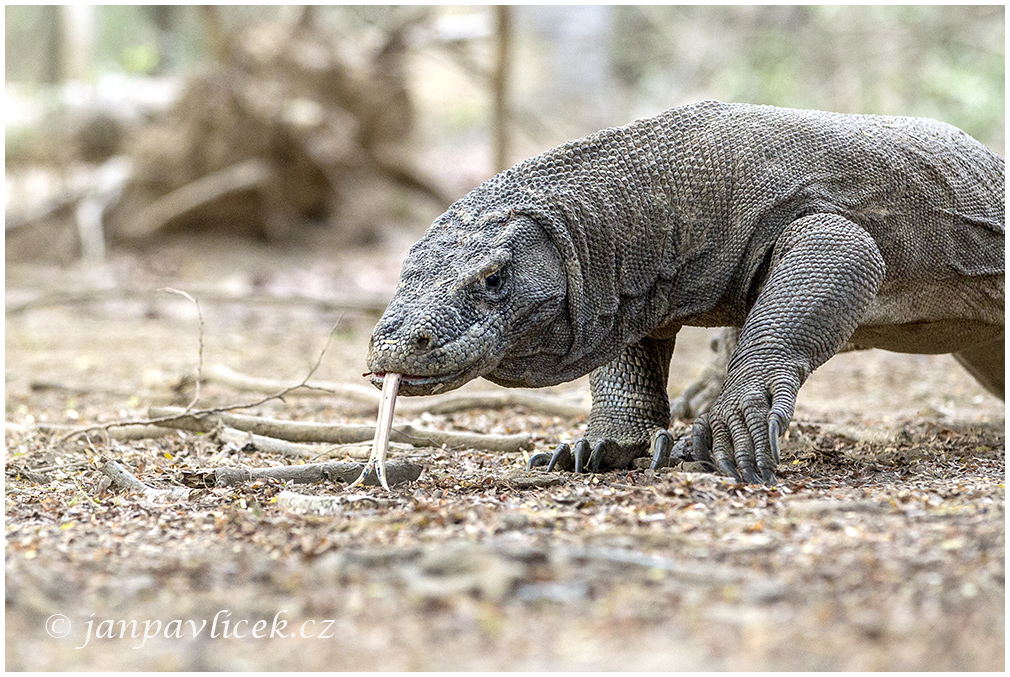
(882, 548)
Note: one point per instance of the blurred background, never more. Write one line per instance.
(276, 163)
(336, 128)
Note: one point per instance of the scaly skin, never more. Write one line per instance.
(808, 230)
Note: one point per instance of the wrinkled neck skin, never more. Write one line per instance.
(634, 264)
(607, 239)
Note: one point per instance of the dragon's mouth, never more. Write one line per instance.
(422, 385)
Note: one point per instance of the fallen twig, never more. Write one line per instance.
(125, 431)
(52, 468)
(523, 479)
(122, 478)
(181, 413)
(270, 445)
(437, 404)
(337, 433)
(362, 394)
(397, 472)
(450, 402)
(199, 365)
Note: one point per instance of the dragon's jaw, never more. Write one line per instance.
(423, 385)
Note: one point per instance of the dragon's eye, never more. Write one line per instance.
(495, 286)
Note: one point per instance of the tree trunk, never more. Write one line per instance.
(499, 110)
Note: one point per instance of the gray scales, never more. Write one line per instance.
(811, 232)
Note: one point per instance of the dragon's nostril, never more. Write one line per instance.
(422, 341)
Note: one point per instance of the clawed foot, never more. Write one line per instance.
(741, 439)
(747, 453)
(584, 456)
(581, 456)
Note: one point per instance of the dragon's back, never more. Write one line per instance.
(930, 195)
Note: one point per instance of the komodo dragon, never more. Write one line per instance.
(808, 230)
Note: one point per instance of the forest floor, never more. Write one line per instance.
(881, 548)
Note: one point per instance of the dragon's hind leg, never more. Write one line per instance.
(697, 397)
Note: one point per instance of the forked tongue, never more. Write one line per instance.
(383, 426)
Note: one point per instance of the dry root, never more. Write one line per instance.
(397, 472)
(124, 479)
(337, 433)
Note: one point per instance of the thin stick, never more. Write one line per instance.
(435, 404)
(269, 445)
(338, 433)
(126, 432)
(361, 394)
(209, 412)
(390, 384)
(310, 473)
(199, 365)
(204, 190)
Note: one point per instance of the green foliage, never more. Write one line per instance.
(140, 59)
(941, 62)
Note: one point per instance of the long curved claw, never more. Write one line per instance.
(768, 478)
(768, 472)
(701, 442)
(745, 448)
(722, 448)
(538, 459)
(581, 454)
(589, 455)
(740, 438)
(596, 457)
(661, 445)
(562, 455)
(773, 437)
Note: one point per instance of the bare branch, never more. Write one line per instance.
(337, 433)
(397, 472)
(270, 445)
(361, 394)
(239, 177)
(127, 431)
(170, 419)
(436, 404)
(199, 366)
(124, 479)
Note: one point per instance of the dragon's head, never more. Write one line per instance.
(482, 293)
